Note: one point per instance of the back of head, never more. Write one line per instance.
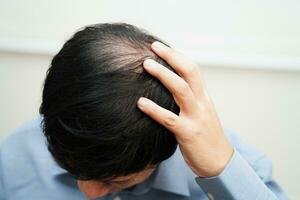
(93, 128)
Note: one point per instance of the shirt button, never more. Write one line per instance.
(210, 196)
(117, 198)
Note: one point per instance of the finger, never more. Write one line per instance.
(189, 70)
(174, 83)
(163, 116)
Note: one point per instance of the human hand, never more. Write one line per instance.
(197, 128)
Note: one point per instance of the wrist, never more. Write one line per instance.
(217, 163)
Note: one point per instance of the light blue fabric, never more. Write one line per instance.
(27, 171)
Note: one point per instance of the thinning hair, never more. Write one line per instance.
(93, 128)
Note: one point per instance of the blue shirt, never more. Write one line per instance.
(27, 171)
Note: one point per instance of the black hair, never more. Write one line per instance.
(93, 127)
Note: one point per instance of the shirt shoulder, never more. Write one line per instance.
(26, 166)
(26, 143)
(30, 128)
(23, 154)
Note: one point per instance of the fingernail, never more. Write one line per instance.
(149, 63)
(158, 45)
(142, 102)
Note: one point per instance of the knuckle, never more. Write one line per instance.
(170, 121)
(193, 69)
(183, 88)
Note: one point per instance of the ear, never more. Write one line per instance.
(92, 189)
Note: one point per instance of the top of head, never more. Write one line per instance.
(93, 127)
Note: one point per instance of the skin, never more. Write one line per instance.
(197, 127)
(93, 188)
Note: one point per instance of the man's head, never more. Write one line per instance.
(93, 128)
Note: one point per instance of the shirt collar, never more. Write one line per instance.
(170, 176)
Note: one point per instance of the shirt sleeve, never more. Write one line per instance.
(247, 176)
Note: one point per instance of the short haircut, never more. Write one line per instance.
(93, 127)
